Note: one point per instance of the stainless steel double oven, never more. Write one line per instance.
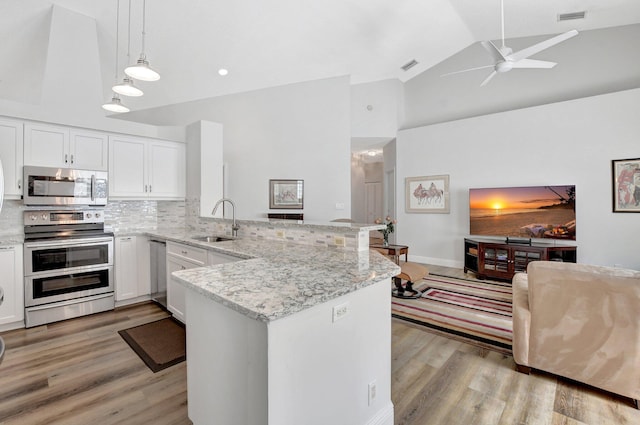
(68, 265)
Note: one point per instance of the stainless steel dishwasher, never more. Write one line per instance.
(158, 257)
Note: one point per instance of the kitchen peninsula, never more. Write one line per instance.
(289, 334)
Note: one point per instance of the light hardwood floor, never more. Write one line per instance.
(81, 372)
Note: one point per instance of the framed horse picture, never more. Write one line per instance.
(427, 194)
(626, 185)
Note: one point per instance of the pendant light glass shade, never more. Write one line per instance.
(142, 71)
(115, 105)
(126, 88)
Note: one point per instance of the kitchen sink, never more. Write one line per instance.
(211, 238)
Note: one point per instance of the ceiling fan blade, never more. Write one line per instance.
(532, 63)
(493, 50)
(467, 70)
(530, 51)
(486, 80)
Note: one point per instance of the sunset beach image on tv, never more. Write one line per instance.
(524, 212)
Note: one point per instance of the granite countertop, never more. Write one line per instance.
(276, 279)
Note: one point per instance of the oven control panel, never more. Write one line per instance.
(48, 217)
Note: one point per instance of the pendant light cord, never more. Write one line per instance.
(144, 14)
(129, 35)
(117, 37)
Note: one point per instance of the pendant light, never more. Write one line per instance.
(126, 87)
(141, 70)
(116, 104)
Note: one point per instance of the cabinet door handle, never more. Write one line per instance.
(149, 188)
(19, 184)
(72, 158)
(66, 158)
(145, 187)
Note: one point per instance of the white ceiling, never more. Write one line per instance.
(268, 43)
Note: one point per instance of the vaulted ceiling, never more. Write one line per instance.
(265, 43)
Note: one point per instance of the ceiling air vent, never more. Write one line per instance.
(407, 66)
(571, 16)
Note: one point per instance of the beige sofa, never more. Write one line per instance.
(581, 322)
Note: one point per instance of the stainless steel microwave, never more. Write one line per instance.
(64, 186)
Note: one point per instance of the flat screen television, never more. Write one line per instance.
(547, 212)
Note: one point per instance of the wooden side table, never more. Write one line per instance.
(394, 251)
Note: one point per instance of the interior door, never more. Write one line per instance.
(373, 201)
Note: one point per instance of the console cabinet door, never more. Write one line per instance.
(176, 293)
(11, 155)
(12, 308)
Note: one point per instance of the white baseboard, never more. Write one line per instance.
(384, 416)
(436, 261)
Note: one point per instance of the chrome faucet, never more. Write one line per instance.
(234, 226)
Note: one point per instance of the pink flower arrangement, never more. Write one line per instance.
(390, 227)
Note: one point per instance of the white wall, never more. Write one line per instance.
(570, 142)
(297, 131)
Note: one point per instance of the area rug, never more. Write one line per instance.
(159, 344)
(475, 310)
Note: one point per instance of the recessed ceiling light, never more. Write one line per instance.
(223, 72)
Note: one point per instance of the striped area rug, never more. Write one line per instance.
(472, 309)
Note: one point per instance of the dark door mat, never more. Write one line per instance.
(159, 344)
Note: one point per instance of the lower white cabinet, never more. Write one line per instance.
(12, 308)
(132, 269)
(181, 257)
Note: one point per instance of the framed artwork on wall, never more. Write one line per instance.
(427, 194)
(286, 194)
(625, 177)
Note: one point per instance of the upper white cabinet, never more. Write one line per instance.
(11, 148)
(146, 169)
(57, 146)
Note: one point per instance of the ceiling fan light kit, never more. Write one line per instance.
(505, 59)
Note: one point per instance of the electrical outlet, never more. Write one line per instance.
(372, 391)
(340, 311)
(280, 233)
(338, 241)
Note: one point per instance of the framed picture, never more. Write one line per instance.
(286, 194)
(427, 194)
(625, 175)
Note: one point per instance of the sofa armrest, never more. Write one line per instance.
(521, 319)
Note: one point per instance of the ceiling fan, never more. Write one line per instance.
(505, 59)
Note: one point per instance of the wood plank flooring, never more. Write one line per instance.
(81, 372)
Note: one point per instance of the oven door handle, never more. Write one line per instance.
(58, 243)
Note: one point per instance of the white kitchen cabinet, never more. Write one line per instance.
(181, 257)
(63, 147)
(146, 169)
(11, 154)
(12, 309)
(132, 270)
